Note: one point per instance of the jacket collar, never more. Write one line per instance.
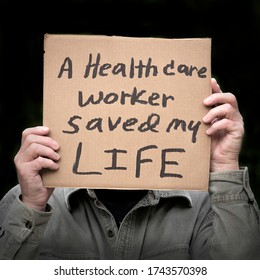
(157, 194)
(174, 193)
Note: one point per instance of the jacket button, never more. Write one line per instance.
(28, 224)
(110, 233)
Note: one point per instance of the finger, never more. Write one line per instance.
(44, 163)
(35, 166)
(36, 150)
(220, 112)
(215, 99)
(227, 126)
(38, 130)
(30, 138)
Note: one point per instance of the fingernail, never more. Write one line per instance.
(207, 99)
(55, 144)
(44, 128)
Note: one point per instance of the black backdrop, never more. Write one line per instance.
(234, 27)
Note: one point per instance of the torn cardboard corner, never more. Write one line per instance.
(127, 112)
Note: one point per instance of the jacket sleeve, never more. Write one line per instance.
(21, 228)
(235, 224)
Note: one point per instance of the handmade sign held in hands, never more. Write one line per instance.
(127, 111)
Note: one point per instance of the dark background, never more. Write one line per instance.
(234, 27)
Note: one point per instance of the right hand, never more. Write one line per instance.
(37, 152)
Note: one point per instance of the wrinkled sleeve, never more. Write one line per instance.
(235, 223)
(21, 228)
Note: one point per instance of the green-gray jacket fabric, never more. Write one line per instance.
(220, 224)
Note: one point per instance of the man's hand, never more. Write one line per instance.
(37, 152)
(226, 129)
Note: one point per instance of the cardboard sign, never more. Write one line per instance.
(127, 112)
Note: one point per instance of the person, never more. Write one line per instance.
(67, 223)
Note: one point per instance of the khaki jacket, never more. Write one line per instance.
(220, 224)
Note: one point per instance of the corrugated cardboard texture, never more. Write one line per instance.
(127, 112)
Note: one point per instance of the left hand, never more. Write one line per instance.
(226, 129)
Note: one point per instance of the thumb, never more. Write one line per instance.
(215, 86)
